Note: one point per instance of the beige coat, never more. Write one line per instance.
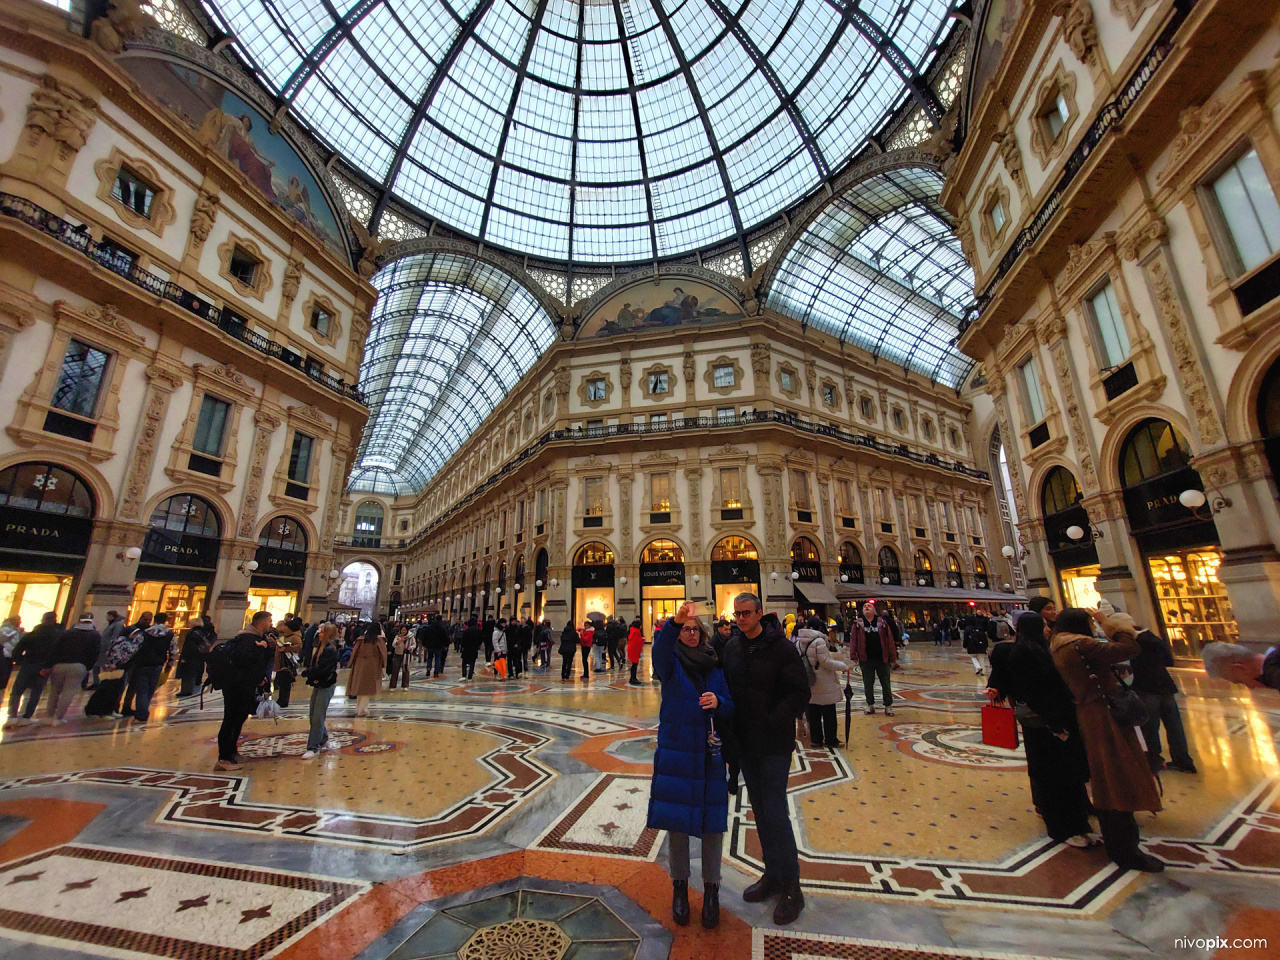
(1120, 778)
(368, 663)
(828, 688)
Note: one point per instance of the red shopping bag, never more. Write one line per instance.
(999, 728)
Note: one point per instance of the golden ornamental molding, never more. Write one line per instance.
(204, 215)
(261, 276)
(309, 306)
(1075, 419)
(61, 113)
(761, 359)
(1200, 124)
(162, 212)
(1079, 29)
(1135, 240)
(1046, 147)
(584, 383)
(163, 378)
(290, 283)
(1081, 259)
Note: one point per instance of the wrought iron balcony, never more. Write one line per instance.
(109, 257)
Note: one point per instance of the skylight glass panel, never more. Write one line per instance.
(743, 62)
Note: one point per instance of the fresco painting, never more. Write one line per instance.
(673, 302)
(240, 133)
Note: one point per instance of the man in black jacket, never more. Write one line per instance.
(156, 650)
(33, 655)
(770, 689)
(248, 665)
(1159, 693)
(615, 630)
(74, 653)
(472, 638)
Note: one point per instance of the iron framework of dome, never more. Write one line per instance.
(607, 131)
(450, 336)
(881, 268)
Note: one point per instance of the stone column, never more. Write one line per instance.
(161, 382)
(265, 425)
(1121, 578)
(232, 600)
(697, 563)
(111, 586)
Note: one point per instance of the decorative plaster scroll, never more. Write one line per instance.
(335, 496)
(162, 383)
(1079, 29)
(1075, 420)
(694, 475)
(624, 499)
(61, 113)
(1131, 10)
(1081, 256)
(265, 425)
(1134, 242)
(206, 212)
(1190, 374)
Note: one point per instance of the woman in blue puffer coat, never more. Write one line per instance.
(690, 795)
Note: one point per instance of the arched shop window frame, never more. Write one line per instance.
(981, 579)
(890, 568)
(955, 571)
(372, 536)
(182, 505)
(284, 533)
(924, 569)
(851, 567)
(594, 554)
(48, 477)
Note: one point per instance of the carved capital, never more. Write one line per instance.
(60, 112)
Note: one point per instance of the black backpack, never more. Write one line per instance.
(218, 664)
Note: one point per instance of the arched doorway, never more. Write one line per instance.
(179, 560)
(500, 595)
(520, 591)
(592, 581)
(890, 569)
(1179, 545)
(924, 569)
(735, 569)
(368, 525)
(278, 582)
(980, 578)
(955, 572)
(808, 588)
(662, 587)
(359, 588)
(1269, 420)
(851, 563)
(540, 566)
(47, 514)
(1075, 558)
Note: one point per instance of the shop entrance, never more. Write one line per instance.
(661, 583)
(592, 582)
(179, 560)
(46, 522)
(735, 569)
(277, 583)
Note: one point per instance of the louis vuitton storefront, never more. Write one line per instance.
(46, 523)
(179, 560)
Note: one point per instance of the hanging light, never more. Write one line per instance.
(622, 580)
(794, 575)
(1007, 552)
(538, 584)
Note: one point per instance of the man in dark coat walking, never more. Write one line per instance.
(770, 690)
(472, 639)
(247, 665)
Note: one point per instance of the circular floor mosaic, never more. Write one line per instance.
(955, 744)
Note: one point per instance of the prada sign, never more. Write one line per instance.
(181, 550)
(661, 574)
(32, 531)
(274, 562)
(601, 576)
(1154, 503)
(735, 571)
(809, 572)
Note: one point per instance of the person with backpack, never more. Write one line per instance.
(154, 653)
(105, 701)
(322, 677)
(823, 672)
(236, 667)
(195, 645)
(615, 632)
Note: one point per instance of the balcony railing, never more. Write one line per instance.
(1107, 119)
(690, 424)
(109, 257)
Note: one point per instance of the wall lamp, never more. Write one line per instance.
(129, 554)
(1008, 552)
(247, 566)
(1076, 532)
(1194, 499)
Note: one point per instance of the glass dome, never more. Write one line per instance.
(605, 130)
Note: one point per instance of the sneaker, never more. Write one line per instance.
(869, 709)
(329, 746)
(310, 755)
(226, 765)
(56, 722)
(888, 711)
(117, 715)
(1082, 841)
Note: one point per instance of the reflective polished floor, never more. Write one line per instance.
(496, 819)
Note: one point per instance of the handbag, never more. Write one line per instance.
(999, 727)
(1126, 707)
(1028, 717)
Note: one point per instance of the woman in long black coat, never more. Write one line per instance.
(569, 642)
(1024, 674)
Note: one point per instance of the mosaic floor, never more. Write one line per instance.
(507, 820)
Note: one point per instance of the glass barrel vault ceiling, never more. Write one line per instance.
(449, 339)
(610, 130)
(881, 268)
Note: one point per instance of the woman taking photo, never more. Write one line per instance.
(1121, 779)
(322, 677)
(689, 795)
(368, 657)
(1023, 674)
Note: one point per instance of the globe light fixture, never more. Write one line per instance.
(1192, 499)
(555, 582)
(1075, 532)
(1007, 552)
(538, 584)
(696, 578)
(794, 575)
(774, 576)
(623, 581)
(844, 578)
(884, 579)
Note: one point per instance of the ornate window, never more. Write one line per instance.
(134, 190)
(1246, 211)
(724, 376)
(890, 571)
(658, 382)
(284, 533)
(1055, 113)
(788, 380)
(593, 554)
(186, 513)
(243, 265)
(595, 389)
(322, 319)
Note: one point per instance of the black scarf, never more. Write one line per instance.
(697, 661)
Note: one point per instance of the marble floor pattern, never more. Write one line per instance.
(507, 819)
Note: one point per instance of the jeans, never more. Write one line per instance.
(29, 679)
(237, 704)
(869, 673)
(64, 681)
(766, 780)
(712, 845)
(320, 697)
(436, 660)
(598, 656)
(823, 730)
(145, 681)
(586, 659)
(1163, 708)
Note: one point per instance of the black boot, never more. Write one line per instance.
(680, 902)
(789, 904)
(762, 889)
(710, 906)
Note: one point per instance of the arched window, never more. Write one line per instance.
(662, 551)
(520, 574)
(187, 514)
(923, 563)
(804, 550)
(502, 576)
(850, 563)
(284, 533)
(593, 554)
(1060, 491)
(1152, 448)
(734, 548)
(980, 573)
(955, 573)
(890, 571)
(369, 516)
(45, 488)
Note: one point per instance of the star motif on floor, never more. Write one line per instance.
(200, 901)
(634, 790)
(80, 885)
(25, 878)
(132, 894)
(260, 914)
(608, 828)
(622, 806)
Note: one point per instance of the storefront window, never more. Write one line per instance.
(183, 602)
(1193, 603)
(1078, 588)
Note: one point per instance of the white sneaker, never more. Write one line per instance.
(888, 711)
(310, 755)
(116, 715)
(329, 746)
(868, 709)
